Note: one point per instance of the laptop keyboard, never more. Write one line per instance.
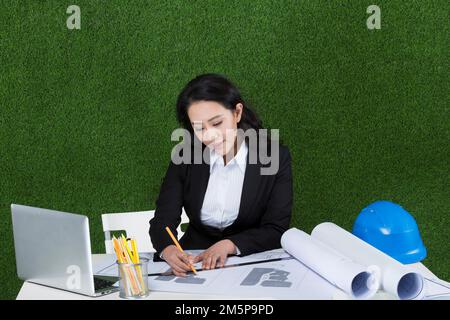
(100, 284)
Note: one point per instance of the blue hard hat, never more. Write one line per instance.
(392, 230)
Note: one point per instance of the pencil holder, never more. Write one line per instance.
(133, 281)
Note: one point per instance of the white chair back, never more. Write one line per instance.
(136, 226)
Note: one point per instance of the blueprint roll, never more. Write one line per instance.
(396, 278)
(353, 278)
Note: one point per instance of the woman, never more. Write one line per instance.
(233, 209)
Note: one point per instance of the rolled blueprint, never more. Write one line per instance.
(396, 278)
(351, 277)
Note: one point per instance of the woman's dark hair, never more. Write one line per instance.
(215, 87)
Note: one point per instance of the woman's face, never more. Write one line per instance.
(214, 125)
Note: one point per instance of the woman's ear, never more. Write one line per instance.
(238, 112)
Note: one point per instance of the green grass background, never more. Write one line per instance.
(86, 115)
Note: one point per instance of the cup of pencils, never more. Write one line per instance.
(133, 270)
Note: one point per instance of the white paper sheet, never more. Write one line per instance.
(109, 267)
(436, 289)
(284, 279)
(351, 277)
(396, 279)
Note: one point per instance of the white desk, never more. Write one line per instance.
(32, 291)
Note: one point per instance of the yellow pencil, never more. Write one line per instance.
(127, 249)
(137, 260)
(178, 246)
(135, 251)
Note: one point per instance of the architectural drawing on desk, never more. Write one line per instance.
(267, 277)
(189, 279)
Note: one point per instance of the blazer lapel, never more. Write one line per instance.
(200, 174)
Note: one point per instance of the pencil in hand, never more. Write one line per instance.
(175, 241)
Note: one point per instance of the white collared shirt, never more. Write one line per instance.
(223, 194)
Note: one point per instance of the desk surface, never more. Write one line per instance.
(32, 291)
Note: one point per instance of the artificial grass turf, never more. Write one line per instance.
(86, 115)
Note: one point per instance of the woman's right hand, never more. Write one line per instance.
(179, 262)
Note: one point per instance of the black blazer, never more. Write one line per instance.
(264, 214)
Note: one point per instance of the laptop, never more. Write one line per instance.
(53, 248)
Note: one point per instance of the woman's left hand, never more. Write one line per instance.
(216, 255)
